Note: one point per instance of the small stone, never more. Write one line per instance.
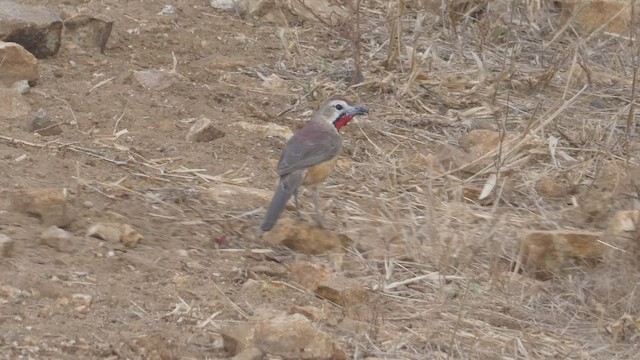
(238, 196)
(348, 293)
(155, 79)
(22, 87)
(549, 253)
(12, 104)
(203, 130)
(58, 239)
(285, 336)
(302, 237)
(37, 28)
(265, 130)
(81, 300)
(271, 269)
(43, 126)
(88, 31)
(51, 205)
(310, 312)
(182, 253)
(309, 275)
(115, 232)
(6, 246)
(17, 64)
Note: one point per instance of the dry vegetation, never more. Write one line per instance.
(438, 262)
(514, 67)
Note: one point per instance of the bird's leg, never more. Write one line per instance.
(295, 199)
(316, 205)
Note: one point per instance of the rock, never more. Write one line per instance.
(348, 293)
(622, 236)
(12, 293)
(43, 126)
(285, 336)
(37, 28)
(450, 157)
(234, 195)
(249, 354)
(219, 62)
(553, 188)
(21, 87)
(265, 130)
(88, 31)
(275, 82)
(591, 14)
(302, 237)
(6, 246)
(203, 131)
(115, 232)
(272, 10)
(223, 4)
(58, 239)
(479, 142)
(310, 312)
(549, 253)
(51, 205)
(155, 79)
(17, 64)
(309, 275)
(429, 163)
(12, 104)
(270, 269)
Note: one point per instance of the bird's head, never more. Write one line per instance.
(339, 112)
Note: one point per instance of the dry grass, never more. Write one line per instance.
(515, 68)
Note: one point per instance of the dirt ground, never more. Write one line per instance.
(202, 255)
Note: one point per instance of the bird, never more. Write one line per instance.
(309, 157)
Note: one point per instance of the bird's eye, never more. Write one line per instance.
(338, 107)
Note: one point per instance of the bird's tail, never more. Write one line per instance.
(278, 202)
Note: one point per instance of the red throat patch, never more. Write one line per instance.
(342, 121)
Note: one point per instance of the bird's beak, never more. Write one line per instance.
(358, 110)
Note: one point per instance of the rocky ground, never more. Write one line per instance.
(484, 210)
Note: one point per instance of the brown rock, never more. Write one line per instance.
(12, 104)
(6, 246)
(51, 205)
(479, 142)
(308, 275)
(288, 336)
(348, 293)
(88, 31)
(549, 253)
(219, 62)
(57, 238)
(425, 163)
(451, 158)
(310, 312)
(591, 14)
(265, 130)
(622, 236)
(37, 28)
(115, 232)
(17, 64)
(552, 188)
(203, 131)
(302, 237)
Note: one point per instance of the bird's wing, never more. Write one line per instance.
(310, 146)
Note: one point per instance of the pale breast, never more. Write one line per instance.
(318, 173)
